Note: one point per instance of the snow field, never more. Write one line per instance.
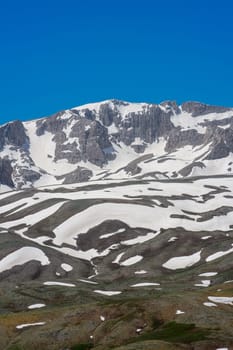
(22, 256)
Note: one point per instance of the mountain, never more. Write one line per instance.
(116, 229)
(115, 139)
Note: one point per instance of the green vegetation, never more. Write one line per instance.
(175, 332)
(156, 323)
(15, 347)
(86, 346)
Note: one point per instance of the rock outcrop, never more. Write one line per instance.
(78, 144)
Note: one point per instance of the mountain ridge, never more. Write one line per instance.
(112, 137)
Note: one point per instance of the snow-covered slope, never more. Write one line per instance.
(130, 202)
(114, 228)
(116, 139)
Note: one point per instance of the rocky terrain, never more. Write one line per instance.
(116, 229)
(116, 139)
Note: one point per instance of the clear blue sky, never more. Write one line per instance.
(59, 54)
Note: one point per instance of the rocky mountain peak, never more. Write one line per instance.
(13, 133)
(198, 108)
(117, 138)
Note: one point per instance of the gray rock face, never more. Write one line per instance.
(221, 143)
(108, 115)
(27, 272)
(68, 151)
(26, 175)
(197, 108)
(188, 169)
(94, 143)
(95, 134)
(13, 134)
(53, 124)
(148, 126)
(6, 172)
(220, 150)
(90, 139)
(78, 175)
(171, 105)
(178, 139)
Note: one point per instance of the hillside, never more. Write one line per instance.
(116, 229)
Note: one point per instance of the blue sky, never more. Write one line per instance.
(59, 54)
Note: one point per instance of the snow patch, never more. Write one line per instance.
(208, 274)
(66, 267)
(182, 262)
(222, 300)
(218, 255)
(209, 304)
(172, 239)
(50, 283)
(108, 293)
(140, 272)
(36, 306)
(118, 258)
(87, 281)
(22, 256)
(145, 284)
(131, 261)
(112, 233)
(204, 283)
(141, 239)
(24, 325)
(179, 312)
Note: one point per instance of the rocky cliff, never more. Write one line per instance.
(101, 140)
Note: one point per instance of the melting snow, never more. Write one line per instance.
(172, 239)
(22, 256)
(87, 281)
(4, 189)
(204, 283)
(140, 272)
(24, 325)
(179, 312)
(66, 267)
(59, 284)
(131, 261)
(182, 262)
(208, 274)
(112, 233)
(141, 239)
(218, 255)
(36, 306)
(108, 293)
(145, 284)
(132, 214)
(118, 258)
(209, 304)
(33, 218)
(222, 300)
(135, 215)
(187, 121)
